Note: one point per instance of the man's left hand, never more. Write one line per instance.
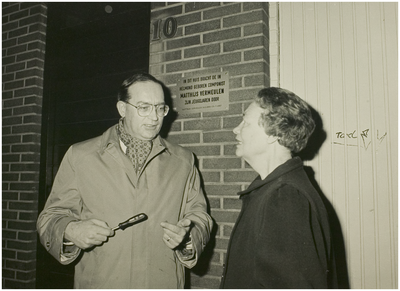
(175, 234)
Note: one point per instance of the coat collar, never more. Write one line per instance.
(281, 170)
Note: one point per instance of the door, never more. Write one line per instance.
(90, 49)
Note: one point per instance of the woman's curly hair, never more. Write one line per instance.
(286, 116)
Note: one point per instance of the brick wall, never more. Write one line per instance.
(24, 26)
(214, 36)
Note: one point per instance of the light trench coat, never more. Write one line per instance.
(97, 180)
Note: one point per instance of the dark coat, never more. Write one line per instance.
(282, 237)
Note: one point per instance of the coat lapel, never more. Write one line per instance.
(110, 145)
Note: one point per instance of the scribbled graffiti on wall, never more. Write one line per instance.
(353, 138)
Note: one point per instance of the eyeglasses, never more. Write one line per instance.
(145, 109)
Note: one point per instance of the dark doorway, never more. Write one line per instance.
(90, 49)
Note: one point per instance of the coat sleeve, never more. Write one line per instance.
(286, 249)
(195, 209)
(63, 206)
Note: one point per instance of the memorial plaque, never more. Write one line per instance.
(203, 93)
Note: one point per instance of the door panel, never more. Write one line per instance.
(90, 49)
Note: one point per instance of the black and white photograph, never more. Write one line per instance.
(200, 145)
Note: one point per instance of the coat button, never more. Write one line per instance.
(48, 244)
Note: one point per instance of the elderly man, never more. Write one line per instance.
(282, 236)
(128, 170)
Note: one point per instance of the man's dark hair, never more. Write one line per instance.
(123, 94)
(286, 116)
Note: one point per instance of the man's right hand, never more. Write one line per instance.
(87, 233)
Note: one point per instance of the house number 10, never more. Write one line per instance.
(169, 28)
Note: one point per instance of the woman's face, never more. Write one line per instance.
(252, 140)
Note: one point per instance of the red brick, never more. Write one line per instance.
(222, 163)
(239, 176)
(16, 49)
(215, 203)
(26, 256)
(15, 67)
(232, 122)
(188, 19)
(211, 176)
(24, 276)
(42, 9)
(28, 91)
(230, 203)
(27, 128)
(255, 5)
(222, 59)
(243, 43)
(195, 6)
(6, 148)
(245, 68)
(32, 216)
(245, 94)
(203, 124)
(219, 136)
(10, 9)
(222, 243)
(18, 32)
(32, 19)
(8, 254)
(222, 11)
(13, 85)
(19, 225)
(37, 36)
(9, 43)
(10, 177)
(19, 14)
(256, 54)
(219, 190)
(24, 167)
(12, 120)
(224, 34)
(202, 50)
(230, 150)
(183, 42)
(227, 230)
(167, 11)
(27, 236)
(9, 215)
(243, 18)
(184, 138)
(208, 150)
(235, 108)
(27, 110)
(20, 265)
(202, 27)
(11, 158)
(8, 274)
(183, 65)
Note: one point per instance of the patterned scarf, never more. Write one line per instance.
(137, 150)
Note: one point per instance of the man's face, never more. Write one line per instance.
(142, 93)
(251, 137)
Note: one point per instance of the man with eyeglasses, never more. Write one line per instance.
(128, 170)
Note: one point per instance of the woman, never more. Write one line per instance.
(282, 237)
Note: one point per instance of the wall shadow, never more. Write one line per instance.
(339, 252)
(203, 264)
(316, 140)
(172, 114)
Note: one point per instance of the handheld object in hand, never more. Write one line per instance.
(131, 221)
